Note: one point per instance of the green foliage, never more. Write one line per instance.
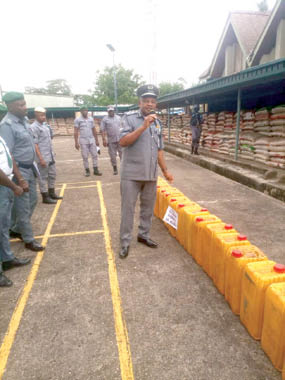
(168, 87)
(262, 6)
(80, 99)
(58, 87)
(54, 87)
(127, 83)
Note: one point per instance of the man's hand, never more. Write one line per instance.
(43, 163)
(77, 146)
(148, 120)
(18, 191)
(24, 185)
(168, 176)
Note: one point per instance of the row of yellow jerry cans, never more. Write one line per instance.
(253, 285)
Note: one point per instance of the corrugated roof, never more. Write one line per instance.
(246, 28)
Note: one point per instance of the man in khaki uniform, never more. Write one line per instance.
(110, 128)
(141, 139)
(85, 136)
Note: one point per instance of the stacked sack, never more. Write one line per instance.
(247, 148)
(262, 122)
(277, 121)
(276, 152)
(253, 285)
(248, 119)
(261, 146)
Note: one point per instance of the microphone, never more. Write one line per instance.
(152, 112)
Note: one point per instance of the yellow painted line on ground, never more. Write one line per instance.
(75, 183)
(79, 187)
(63, 234)
(19, 309)
(120, 324)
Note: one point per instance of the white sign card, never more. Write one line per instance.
(171, 217)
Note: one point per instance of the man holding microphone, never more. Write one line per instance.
(141, 139)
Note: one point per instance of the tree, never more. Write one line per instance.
(127, 83)
(35, 90)
(80, 99)
(263, 6)
(58, 87)
(168, 87)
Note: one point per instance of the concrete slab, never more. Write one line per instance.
(179, 325)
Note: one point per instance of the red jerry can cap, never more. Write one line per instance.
(198, 219)
(204, 209)
(237, 253)
(181, 205)
(279, 268)
(228, 227)
(163, 191)
(242, 237)
(173, 200)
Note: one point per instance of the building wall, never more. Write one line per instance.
(278, 50)
(280, 40)
(35, 100)
(234, 59)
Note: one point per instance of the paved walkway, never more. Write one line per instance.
(78, 312)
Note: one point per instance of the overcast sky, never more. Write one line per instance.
(49, 39)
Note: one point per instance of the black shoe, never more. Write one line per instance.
(96, 171)
(34, 246)
(47, 199)
(115, 170)
(15, 263)
(196, 152)
(150, 243)
(124, 252)
(4, 281)
(87, 172)
(192, 149)
(14, 234)
(53, 195)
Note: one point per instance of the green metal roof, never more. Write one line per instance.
(261, 74)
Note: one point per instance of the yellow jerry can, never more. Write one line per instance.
(273, 331)
(236, 261)
(255, 281)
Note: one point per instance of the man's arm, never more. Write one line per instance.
(20, 179)
(162, 164)
(95, 135)
(104, 134)
(38, 152)
(76, 134)
(5, 181)
(131, 137)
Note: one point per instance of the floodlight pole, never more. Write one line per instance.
(112, 49)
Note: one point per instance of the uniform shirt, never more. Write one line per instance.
(42, 137)
(17, 134)
(85, 129)
(6, 162)
(139, 161)
(111, 125)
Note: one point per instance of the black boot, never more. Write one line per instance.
(87, 172)
(47, 199)
(4, 281)
(192, 149)
(196, 151)
(53, 195)
(96, 171)
(115, 169)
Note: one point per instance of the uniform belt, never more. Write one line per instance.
(25, 166)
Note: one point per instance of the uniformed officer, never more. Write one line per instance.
(196, 126)
(15, 130)
(45, 156)
(110, 127)
(7, 188)
(3, 111)
(84, 128)
(141, 139)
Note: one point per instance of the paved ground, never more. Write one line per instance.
(178, 325)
